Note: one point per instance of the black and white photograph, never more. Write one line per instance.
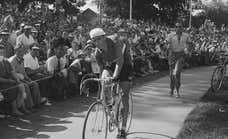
(113, 69)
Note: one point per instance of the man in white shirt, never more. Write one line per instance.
(56, 67)
(178, 46)
(37, 72)
(26, 39)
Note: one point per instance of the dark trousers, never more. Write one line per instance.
(58, 87)
(43, 82)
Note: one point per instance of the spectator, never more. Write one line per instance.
(26, 39)
(17, 63)
(15, 96)
(37, 72)
(56, 66)
(66, 39)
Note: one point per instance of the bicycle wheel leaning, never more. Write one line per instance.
(96, 122)
(217, 78)
(120, 113)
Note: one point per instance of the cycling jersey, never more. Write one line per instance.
(107, 59)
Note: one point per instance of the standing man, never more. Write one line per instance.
(178, 43)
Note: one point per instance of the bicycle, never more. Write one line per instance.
(105, 119)
(219, 72)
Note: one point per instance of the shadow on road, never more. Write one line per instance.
(47, 119)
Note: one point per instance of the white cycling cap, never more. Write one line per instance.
(96, 32)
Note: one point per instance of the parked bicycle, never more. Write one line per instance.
(100, 118)
(219, 72)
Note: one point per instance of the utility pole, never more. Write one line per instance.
(130, 10)
(190, 17)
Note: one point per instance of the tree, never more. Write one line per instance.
(70, 6)
(166, 10)
(215, 10)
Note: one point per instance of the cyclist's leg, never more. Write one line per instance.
(177, 74)
(125, 86)
(105, 89)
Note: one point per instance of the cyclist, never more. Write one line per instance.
(115, 64)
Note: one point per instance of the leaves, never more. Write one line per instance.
(145, 9)
(70, 6)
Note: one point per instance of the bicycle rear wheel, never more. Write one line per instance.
(120, 113)
(96, 122)
(217, 78)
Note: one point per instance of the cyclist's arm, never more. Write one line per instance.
(99, 60)
(119, 63)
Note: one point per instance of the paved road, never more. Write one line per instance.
(154, 111)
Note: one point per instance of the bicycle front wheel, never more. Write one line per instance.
(120, 113)
(96, 121)
(217, 78)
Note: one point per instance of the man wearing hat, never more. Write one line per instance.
(178, 43)
(26, 38)
(36, 71)
(9, 50)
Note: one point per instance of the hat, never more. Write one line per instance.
(2, 46)
(34, 30)
(96, 32)
(4, 32)
(122, 30)
(35, 48)
(178, 24)
(27, 27)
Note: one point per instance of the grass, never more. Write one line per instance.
(209, 119)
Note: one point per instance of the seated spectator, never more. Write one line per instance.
(56, 66)
(74, 51)
(66, 39)
(21, 30)
(37, 72)
(8, 79)
(17, 63)
(26, 38)
(77, 69)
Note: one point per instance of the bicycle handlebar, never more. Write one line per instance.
(94, 79)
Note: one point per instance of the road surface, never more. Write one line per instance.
(154, 111)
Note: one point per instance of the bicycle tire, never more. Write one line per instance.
(129, 114)
(85, 125)
(215, 87)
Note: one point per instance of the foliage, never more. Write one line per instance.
(216, 11)
(165, 10)
(70, 6)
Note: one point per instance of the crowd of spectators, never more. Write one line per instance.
(36, 59)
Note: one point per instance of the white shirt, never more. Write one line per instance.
(52, 64)
(31, 62)
(178, 46)
(27, 42)
(13, 38)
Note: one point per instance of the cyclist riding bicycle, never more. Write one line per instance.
(115, 63)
